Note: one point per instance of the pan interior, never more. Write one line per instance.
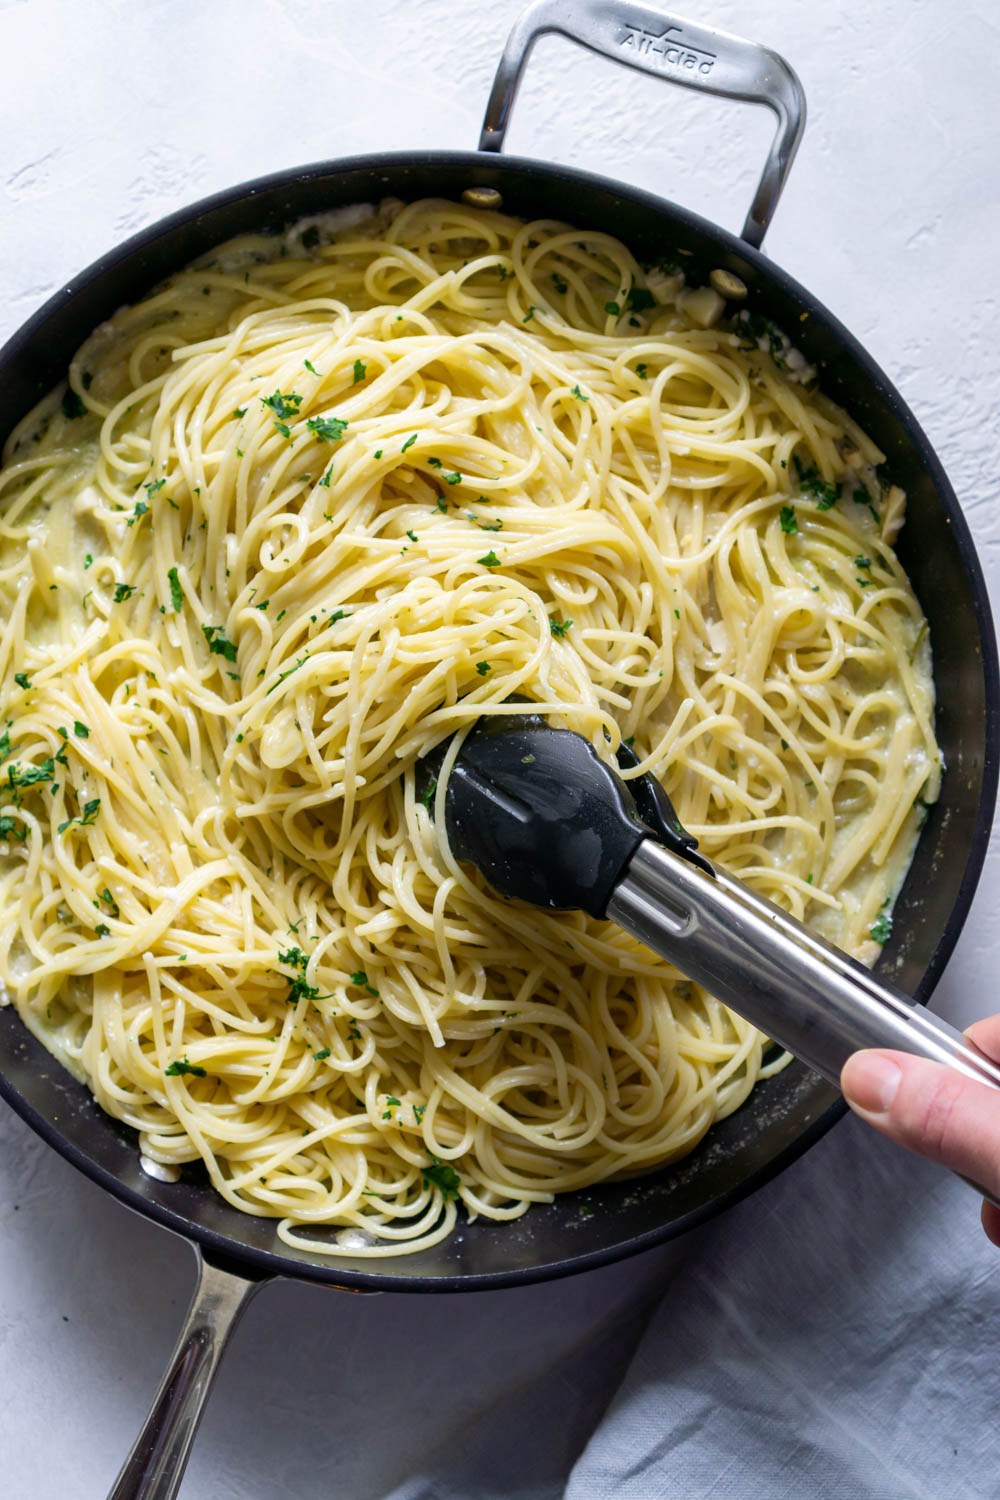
(785, 1114)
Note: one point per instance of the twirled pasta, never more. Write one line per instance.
(310, 508)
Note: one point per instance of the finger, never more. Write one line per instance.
(931, 1109)
(991, 1222)
(985, 1035)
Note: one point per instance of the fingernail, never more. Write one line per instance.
(870, 1081)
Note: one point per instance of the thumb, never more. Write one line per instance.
(932, 1110)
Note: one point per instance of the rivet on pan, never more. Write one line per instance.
(482, 197)
(161, 1170)
(728, 285)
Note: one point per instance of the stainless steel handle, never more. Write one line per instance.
(155, 1467)
(805, 994)
(669, 47)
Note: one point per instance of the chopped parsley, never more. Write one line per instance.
(183, 1066)
(576, 391)
(531, 314)
(218, 644)
(482, 667)
(80, 730)
(881, 929)
(72, 406)
(102, 929)
(640, 299)
(409, 443)
(441, 1175)
(110, 902)
(141, 509)
(325, 481)
(789, 524)
(327, 429)
(322, 1054)
(810, 483)
(559, 282)
(23, 680)
(308, 363)
(559, 627)
(489, 561)
(282, 406)
(123, 591)
(294, 958)
(88, 816)
(241, 411)
(428, 796)
(176, 592)
(862, 562)
(360, 370)
(495, 525)
(413, 536)
(154, 486)
(359, 977)
(87, 561)
(391, 1103)
(641, 371)
(613, 309)
(21, 776)
(455, 478)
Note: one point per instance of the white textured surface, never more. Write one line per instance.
(116, 113)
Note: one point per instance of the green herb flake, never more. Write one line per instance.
(613, 309)
(176, 592)
(282, 406)
(862, 562)
(322, 1054)
(527, 760)
(87, 562)
(72, 406)
(102, 929)
(123, 591)
(489, 561)
(640, 299)
(409, 442)
(109, 902)
(88, 816)
(642, 371)
(576, 391)
(789, 524)
(359, 977)
(218, 644)
(441, 1175)
(240, 411)
(881, 929)
(531, 314)
(428, 796)
(483, 667)
(455, 478)
(154, 487)
(141, 509)
(360, 370)
(327, 429)
(413, 536)
(560, 283)
(560, 627)
(311, 367)
(183, 1066)
(23, 680)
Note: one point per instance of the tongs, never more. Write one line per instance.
(547, 821)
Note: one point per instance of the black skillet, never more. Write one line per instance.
(785, 1114)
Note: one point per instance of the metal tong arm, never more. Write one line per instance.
(805, 994)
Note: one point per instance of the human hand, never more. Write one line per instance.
(934, 1111)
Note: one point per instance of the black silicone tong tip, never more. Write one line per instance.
(544, 819)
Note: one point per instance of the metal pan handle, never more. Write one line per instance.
(671, 48)
(155, 1467)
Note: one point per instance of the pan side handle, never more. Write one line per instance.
(671, 48)
(155, 1467)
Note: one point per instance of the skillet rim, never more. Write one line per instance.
(490, 169)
